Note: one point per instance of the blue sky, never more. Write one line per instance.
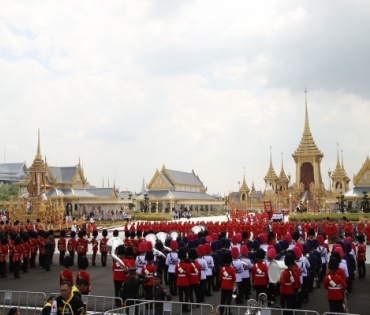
(207, 86)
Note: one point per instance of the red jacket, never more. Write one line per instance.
(103, 245)
(335, 286)
(120, 273)
(182, 273)
(26, 247)
(34, 248)
(3, 253)
(62, 244)
(361, 252)
(86, 275)
(288, 281)
(148, 270)
(72, 245)
(81, 245)
(17, 253)
(227, 278)
(260, 274)
(194, 272)
(66, 275)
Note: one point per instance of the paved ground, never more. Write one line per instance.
(102, 284)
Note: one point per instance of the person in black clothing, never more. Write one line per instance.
(130, 288)
(160, 293)
(46, 310)
(67, 303)
(49, 252)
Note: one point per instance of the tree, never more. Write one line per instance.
(341, 203)
(8, 191)
(365, 202)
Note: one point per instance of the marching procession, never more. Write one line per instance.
(282, 262)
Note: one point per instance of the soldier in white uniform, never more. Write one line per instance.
(171, 261)
(203, 274)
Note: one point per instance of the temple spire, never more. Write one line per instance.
(38, 153)
(338, 164)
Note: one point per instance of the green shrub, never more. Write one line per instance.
(151, 216)
(332, 216)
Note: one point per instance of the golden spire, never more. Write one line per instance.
(339, 172)
(38, 163)
(282, 176)
(244, 186)
(307, 144)
(271, 175)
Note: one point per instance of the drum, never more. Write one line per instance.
(162, 237)
(151, 238)
(174, 235)
(274, 271)
(196, 229)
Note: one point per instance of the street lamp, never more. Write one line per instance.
(290, 203)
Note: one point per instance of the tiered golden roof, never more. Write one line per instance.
(339, 171)
(307, 146)
(38, 164)
(282, 176)
(244, 186)
(271, 175)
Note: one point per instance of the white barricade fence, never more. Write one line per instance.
(336, 313)
(143, 307)
(98, 303)
(174, 307)
(251, 310)
(29, 302)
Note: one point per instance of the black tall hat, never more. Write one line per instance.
(120, 250)
(226, 258)
(193, 254)
(104, 233)
(289, 259)
(182, 253)
(130, 251)
(67, 261)
(260, 254)
(333, 263)
(84, 263)
(149, 255)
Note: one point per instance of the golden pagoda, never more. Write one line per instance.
(308, 159)
(340, 180)
(270, 179)
(283, 180)
(244, 193)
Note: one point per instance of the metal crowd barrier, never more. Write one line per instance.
(144, 308)
(97, 303)
(174, 307)
(336, 313)
(251, 310)
(31, 302)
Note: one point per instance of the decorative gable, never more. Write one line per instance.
(158, 182)
(363, 176)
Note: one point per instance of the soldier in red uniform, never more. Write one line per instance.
(26, 248)
(17, 257)
(62, 246)
(227, 280)
(84, 263)
(361, 257)
(3, 256)
(66, 274)
(95, 244)
(41, 241)
(288, 282)
(148, 271)
(182, 274)
(103, 248)
(194, 275)
(34, 248)
(72, 246)
(335, 286)
(81, 247)
(260, 273)
(120, 273)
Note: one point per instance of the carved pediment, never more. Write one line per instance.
(363, 176)
(157, 182)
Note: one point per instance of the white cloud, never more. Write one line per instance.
(209, 86)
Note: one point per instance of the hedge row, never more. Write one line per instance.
(331, 216)
(151, 216)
